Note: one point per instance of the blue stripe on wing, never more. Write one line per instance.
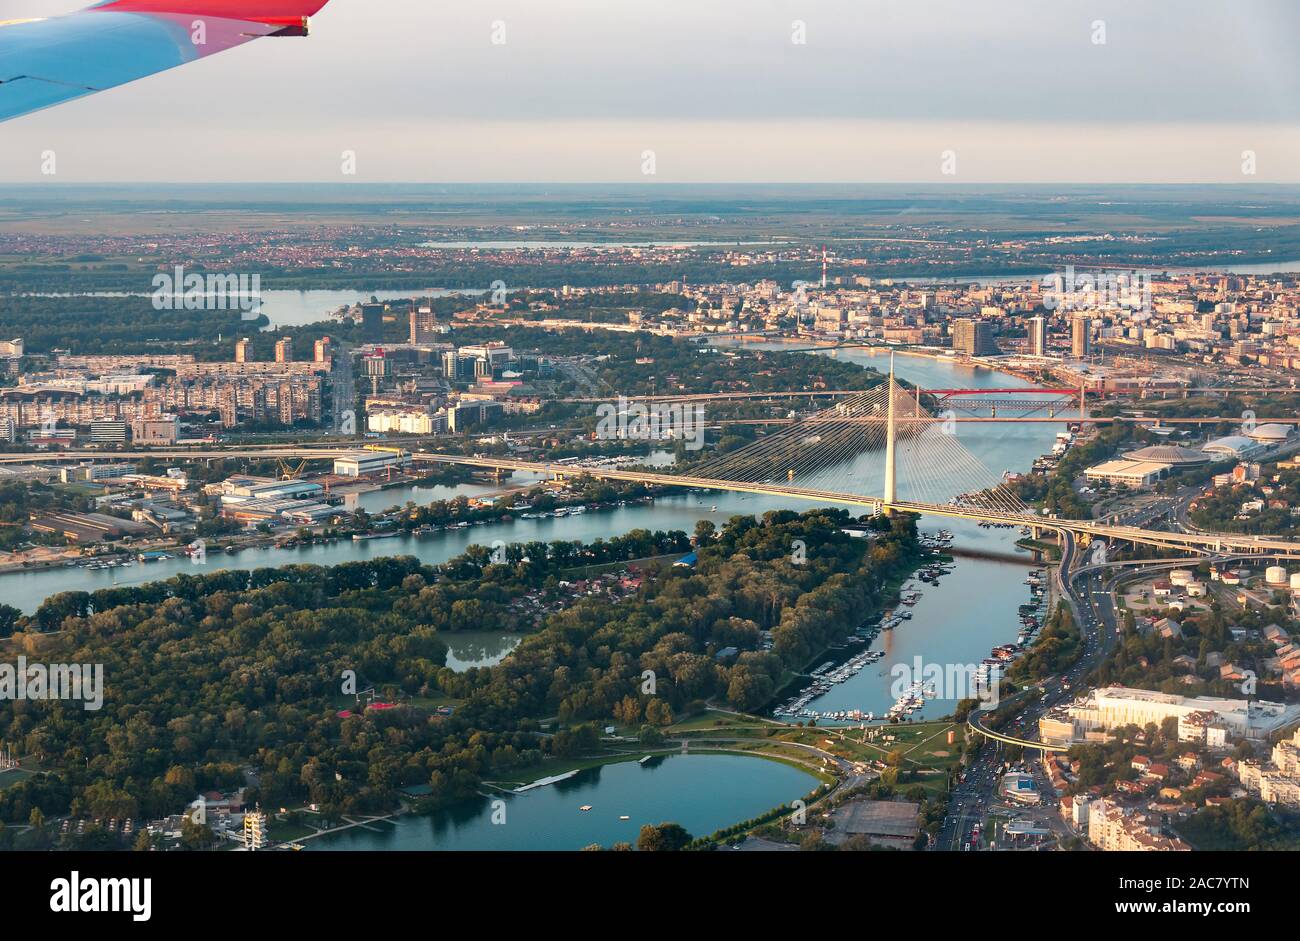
(48, 62)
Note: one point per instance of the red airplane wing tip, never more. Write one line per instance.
(260, 11)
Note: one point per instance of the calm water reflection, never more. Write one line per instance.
(703, 793)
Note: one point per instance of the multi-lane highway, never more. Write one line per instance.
(1083, 582)
(1087, 581)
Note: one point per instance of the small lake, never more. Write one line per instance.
(703, 793)
(469, 649)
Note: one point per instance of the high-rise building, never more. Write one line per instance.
(1038, 336)
(284, 350)
(372, 323)
(451, 368)
(974, 337)
(323, 351)
(1081, 338)
(424, 325)
(228, 406)
(244, 351)
(377, 369)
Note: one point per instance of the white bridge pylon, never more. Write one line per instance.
(891, 443)
(918, 456)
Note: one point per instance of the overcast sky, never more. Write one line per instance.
(1018, 90)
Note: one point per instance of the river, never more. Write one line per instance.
(285, 308)
(703, 793)
(288, 308)
(957, 622)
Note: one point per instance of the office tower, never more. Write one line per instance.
(1038, 336)
(372, 323)
(1081, 338)
(284, 350)
(244, 351)
(451, 365)
(974, 337)
(424, 325)
(323, 351)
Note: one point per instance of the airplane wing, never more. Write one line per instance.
(46, 62)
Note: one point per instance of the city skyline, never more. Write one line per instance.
(799, 427)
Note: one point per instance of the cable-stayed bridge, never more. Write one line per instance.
(882, 450)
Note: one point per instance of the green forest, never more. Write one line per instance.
(210, 676)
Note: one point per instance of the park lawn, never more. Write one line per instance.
(286, 831)
(923, 744)
(713, 720)
(934, 783)
(1050, 549)
(931, 741)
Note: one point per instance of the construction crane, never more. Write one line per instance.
(289, 472)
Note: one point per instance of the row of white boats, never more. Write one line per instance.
(101, 564)
(824, 678)
(914, 697)
(555, 514)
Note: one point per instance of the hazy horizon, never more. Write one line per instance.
(1015, 91)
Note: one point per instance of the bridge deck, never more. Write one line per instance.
(1194, 542)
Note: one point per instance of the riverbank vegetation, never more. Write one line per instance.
(1053, 652)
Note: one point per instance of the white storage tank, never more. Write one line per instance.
(1295, 581)
(1181, 576)
(1276, 575)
